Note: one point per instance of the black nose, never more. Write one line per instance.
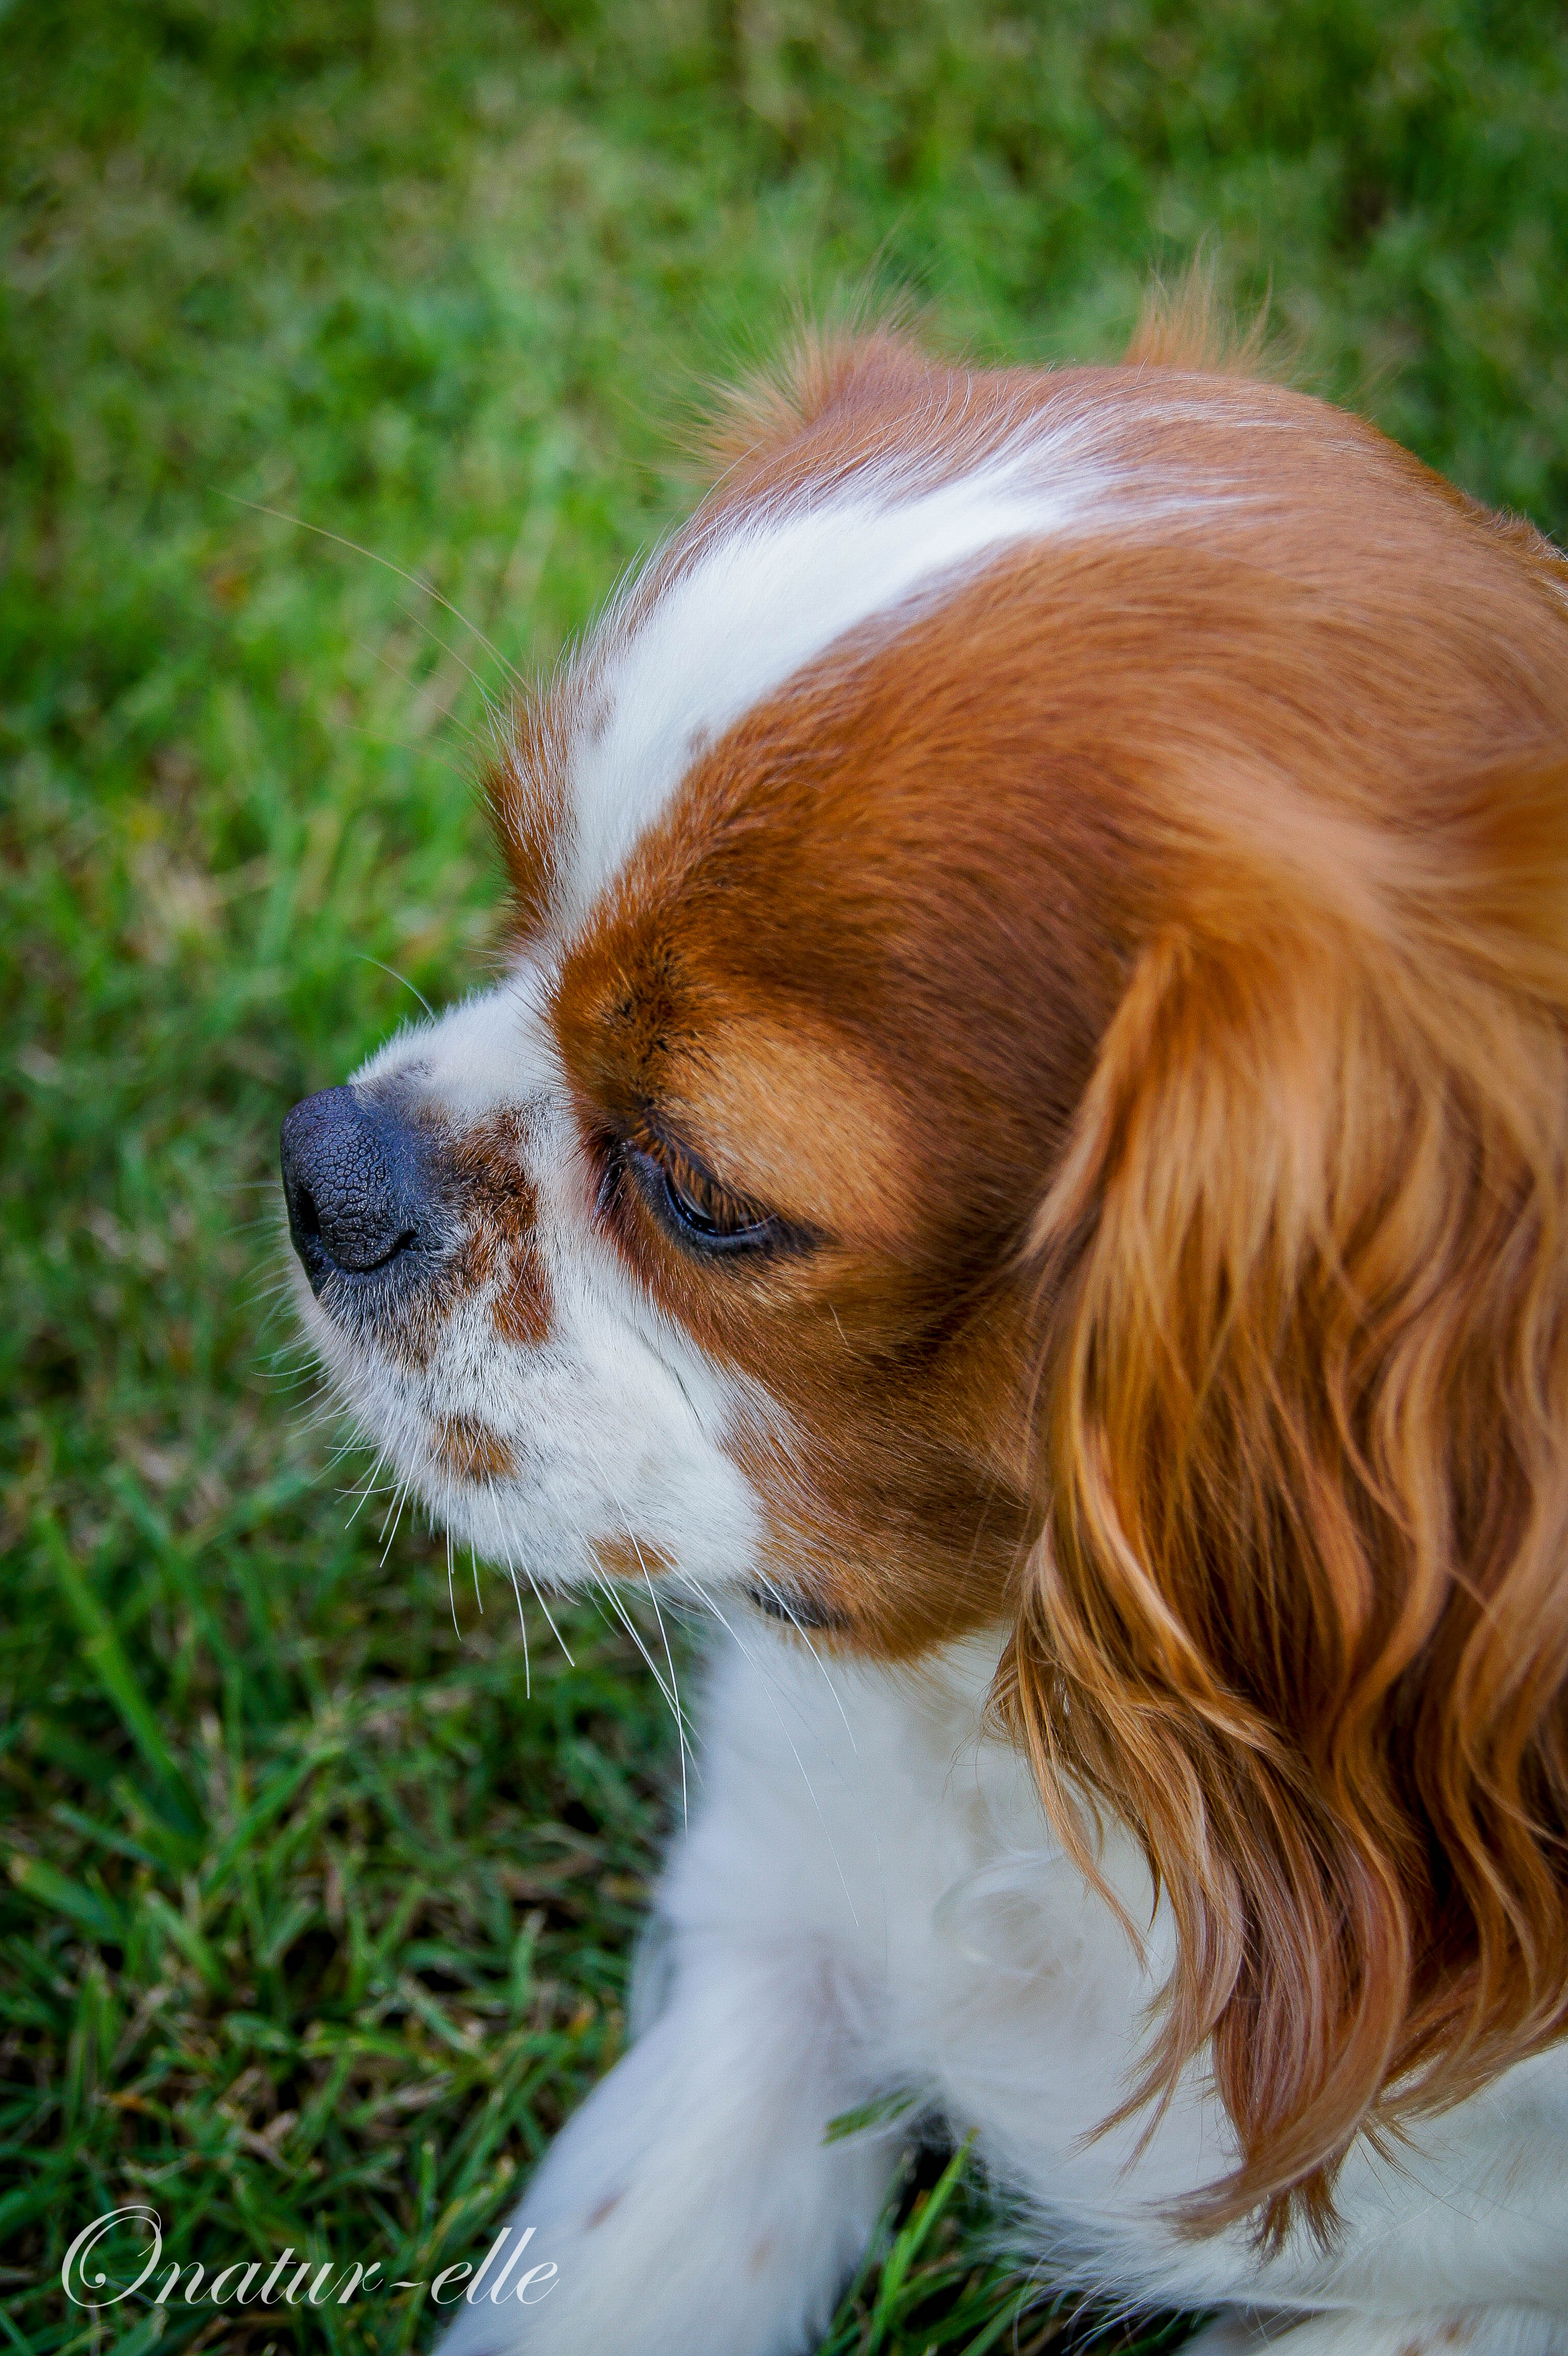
(353, 1180)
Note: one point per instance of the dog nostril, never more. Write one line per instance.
(353, 1180)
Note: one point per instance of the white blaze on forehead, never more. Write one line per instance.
(494, 1048)
(774, 593)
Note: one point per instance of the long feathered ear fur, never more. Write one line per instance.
(1298, 1612)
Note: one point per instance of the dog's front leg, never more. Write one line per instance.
(691, 2206)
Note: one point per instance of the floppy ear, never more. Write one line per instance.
(1298, 1612)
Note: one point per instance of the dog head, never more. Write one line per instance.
(1030, 1087)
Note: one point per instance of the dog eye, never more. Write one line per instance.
(693, 1204)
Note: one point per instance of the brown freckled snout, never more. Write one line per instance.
(358, 1186)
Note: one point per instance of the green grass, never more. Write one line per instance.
(315, 1927)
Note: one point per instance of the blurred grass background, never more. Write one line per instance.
(313, 1927)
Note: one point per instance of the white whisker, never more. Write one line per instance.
(393, 970)
(366, 1490)
(400, 1499)
(533, 1583)
(670, 1657)
(522, 1624)
(414, 580)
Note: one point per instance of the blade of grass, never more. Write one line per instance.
(90, 1910)
(102, 1651)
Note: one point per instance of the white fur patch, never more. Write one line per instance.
(779, 589)
(493, 1048)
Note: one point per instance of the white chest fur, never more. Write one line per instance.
(868, 1900)
(869, 1809)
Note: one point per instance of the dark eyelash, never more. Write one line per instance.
(692, 1205)
(701, 1212)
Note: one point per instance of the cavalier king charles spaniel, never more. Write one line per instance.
(1020, 1155)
